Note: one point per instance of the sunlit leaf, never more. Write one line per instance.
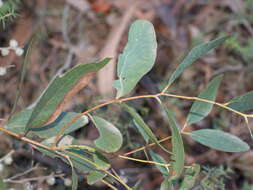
(157, 158)
(137, 58)
(242, 103)
(177, 144)
(110, 138)
(200, 109)
(58, 90)
(219, 140)
(193, 55)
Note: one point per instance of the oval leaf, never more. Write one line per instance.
(177, 144)
(242, 103)
(61, 89)
(219, 140)
(193, 55)
(110, 139)
(95, 176)
(200, 109)
(137, 58)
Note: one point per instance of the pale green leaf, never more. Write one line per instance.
(201, 109)
(242, 103)
(142, 131)
(95, 176)
(166, 184)
(101, 161)
(18, 122)
(57, 90)
(143, 128)
(110, 138)
(190, 177)
(157, 158)
(219, 140)
(177, 144)
(137, 58)
(74, 177)
(54, 128)
(193, 55)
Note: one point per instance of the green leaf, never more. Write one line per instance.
(166, 184)
(193, 55)
(18, 122)
(242, 103)
(142, 131)
(157, 158)
(74, 180)
(219, 140)
(200, 109)
(143, 128)
(95, 176)
(54, 128)
(177, 144)
(56, 92)
(190, 177)
(137, 58)
(101, 161)
(110, 139)
(77, 156)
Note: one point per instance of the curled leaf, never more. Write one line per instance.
(110, 138)
(137, 58)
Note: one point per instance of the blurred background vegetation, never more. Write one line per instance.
(70, 32)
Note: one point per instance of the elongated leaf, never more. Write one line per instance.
(74, 180)
(200, 109)
(54, 128)
(60, 89)
(190, 177)
(95, 176)
(177, 144)
(18, 123)
(219, 140)
(159, 159)
(193, 55)
(137, 58)
(242, 103)
(101, 161)
(77, 156)
(110, 139)
(144, 129)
